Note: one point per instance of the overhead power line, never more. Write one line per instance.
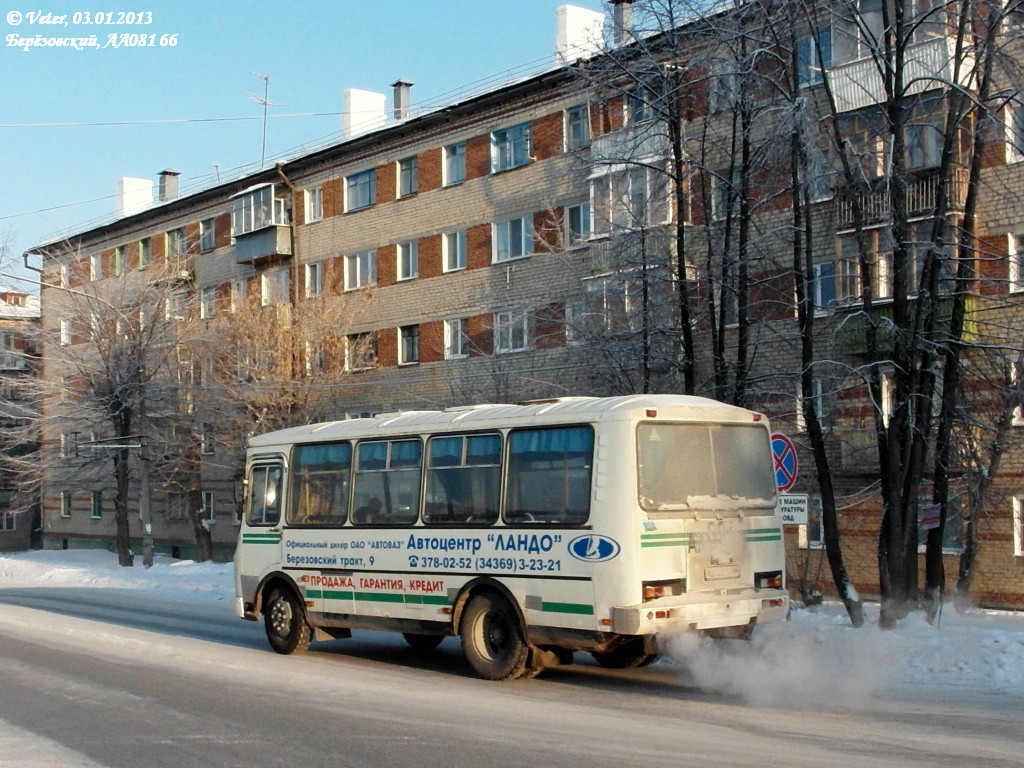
(168, 121)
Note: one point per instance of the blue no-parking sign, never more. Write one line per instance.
(784, 456)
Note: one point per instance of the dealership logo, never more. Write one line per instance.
(593, 548)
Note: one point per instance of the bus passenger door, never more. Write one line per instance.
(259, 548)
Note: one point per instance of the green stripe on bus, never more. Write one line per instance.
(664, 535)
(328, 594)
(426, 599)
(672, 543)
(775, 537)
(260, 541)
(580, 608)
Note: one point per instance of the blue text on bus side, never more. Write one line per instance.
(523, 542)
(594, 548)
(450, 544)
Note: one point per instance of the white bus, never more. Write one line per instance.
(530, 531)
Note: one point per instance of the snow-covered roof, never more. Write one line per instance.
(555, 411)
(10, 310)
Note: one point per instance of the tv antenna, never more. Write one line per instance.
(266, 102)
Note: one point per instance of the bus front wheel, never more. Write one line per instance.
(285, 622)
(492, 638)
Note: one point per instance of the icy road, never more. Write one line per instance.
(108, 667)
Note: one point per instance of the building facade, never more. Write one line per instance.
(587, 230)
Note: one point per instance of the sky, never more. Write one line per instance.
(74, 121)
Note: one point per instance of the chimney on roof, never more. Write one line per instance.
(168, 187)
(363, 111)
(622, 21)
(401, 99)
(580, 33)
(133, 195)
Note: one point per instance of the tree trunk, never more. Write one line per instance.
(200, 527)
(122, 427)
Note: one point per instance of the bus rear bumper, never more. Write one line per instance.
(669, 614)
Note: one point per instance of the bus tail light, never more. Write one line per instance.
(768, 580)
(655, 589)
(775, 602)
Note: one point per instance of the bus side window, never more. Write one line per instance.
(265, 495)
(549, 475)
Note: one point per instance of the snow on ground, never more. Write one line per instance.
(816, 658)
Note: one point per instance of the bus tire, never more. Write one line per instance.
(285, 622)
(492, 638)
(625, 656)
(422, 642)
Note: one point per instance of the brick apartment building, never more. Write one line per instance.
(19, 503)
(474, 253)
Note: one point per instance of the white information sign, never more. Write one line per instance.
(793, 508)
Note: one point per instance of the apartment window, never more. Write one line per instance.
(408, 344)
(575, 319)
(725, 87)
(888, 403)
(314, 279)
(275, 287)
(511, 331)
(7, 519)
(96, 505)
(177, 242)
(207, 375)
(510, 147)
(314, 358)
(258, 208)
(813, 56)
(360, 190)
(923, 140)
(858, 30)
(145, 252)
(513, 238)
(453, 245)
(408, 260)
(207, 441)
(65, 275)
(65, 331)
(642, 104)
(207, 235)
(1018, 525)
(823, 285)
(629, 199)
(208, 302)
(577, 223)
(1015, 249)
(119, 260)
(823, 400)
(360, 351)
(408, 176)
(314, 204)
(239, 289)
(65, 503)
(360, 270)
(10, 358)
(96, 267)
(456, 338)
(1014, 132)
(68, 445)
(209, 512)
(577, 127)
(1014, 377)
(455, 163)
(725, 193)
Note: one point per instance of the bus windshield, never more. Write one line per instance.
(704, 466)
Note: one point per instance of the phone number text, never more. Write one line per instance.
(514, 564)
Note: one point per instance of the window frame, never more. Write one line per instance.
(1018, 524)
(576, 127)
(313, 208)
(408, 170)
(207, 234)
(407, 257)
(208, 302)
(811, 57)
(461, 250)
(1014, 132)
(96, 505)
(313, 274)
(209, 507)
(576, 236)
(357, 359)
(1015, 262)
(360, 190)
(145, 252)
(502, 239)
(453, 166)
(511, 147)
(507, 324)
(66, 504)
(409, 344)
(456, 338)
(361, 269)
(275, 286)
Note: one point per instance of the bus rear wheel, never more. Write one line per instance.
(625, 656)
(492, 638)
(285, 622)
(422, 642)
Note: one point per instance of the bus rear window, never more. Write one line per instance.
(704, 466)
(320, 480)
(549, 475)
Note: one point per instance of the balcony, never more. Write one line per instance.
(854, 327)
(922, 194)
(270, 243)
(929, 65)
(638, 143)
